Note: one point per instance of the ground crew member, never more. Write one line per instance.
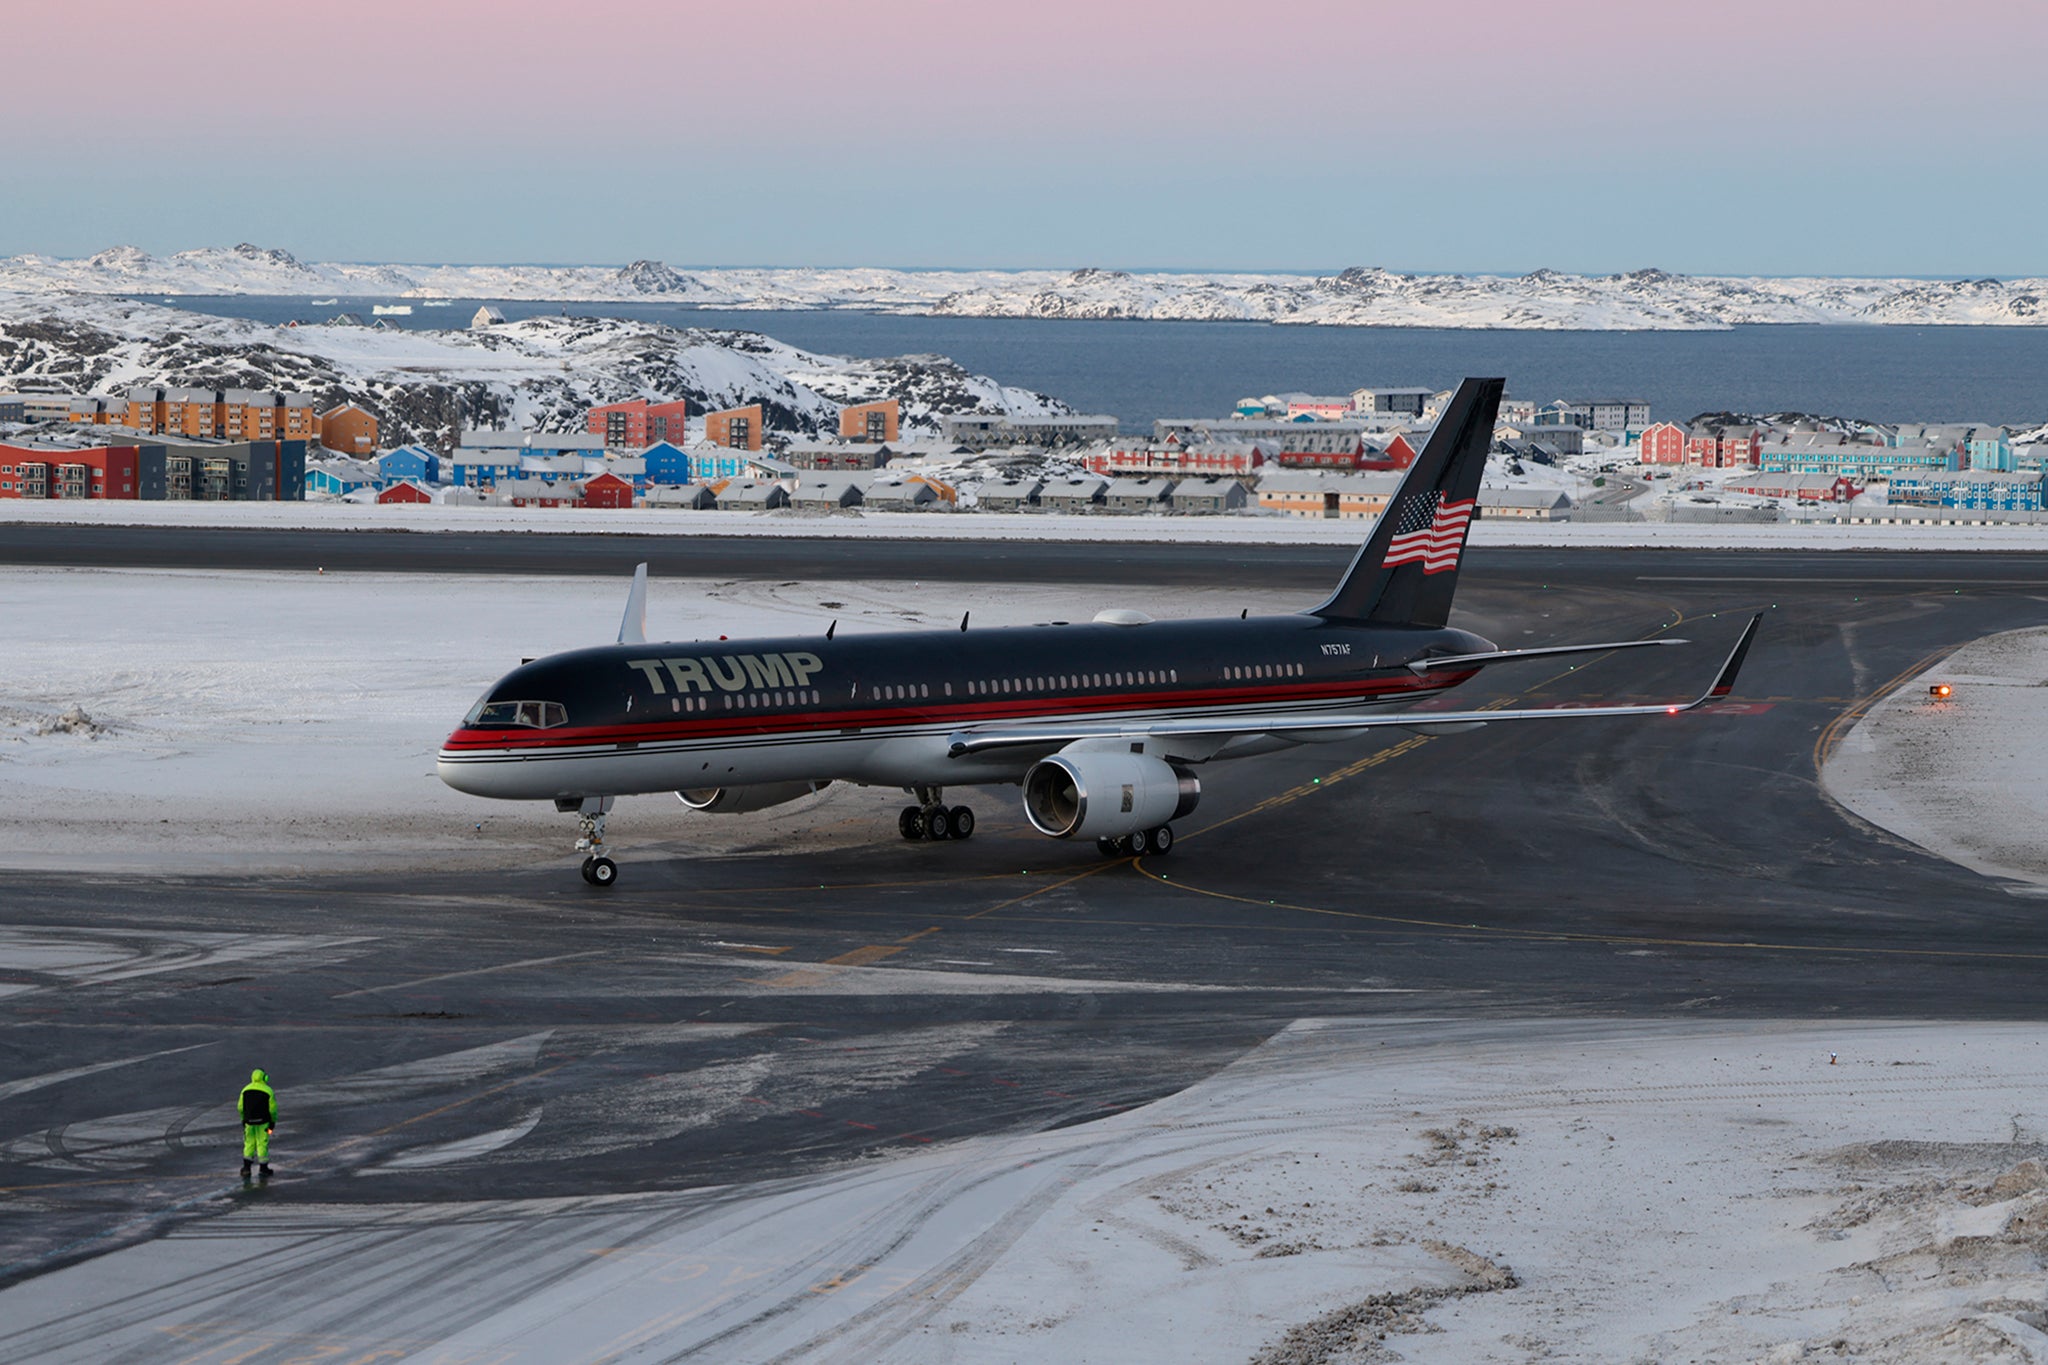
(259, 1116)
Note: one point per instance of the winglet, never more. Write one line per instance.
(1725, 682)
(633, 626)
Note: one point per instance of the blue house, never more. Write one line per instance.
(1989, 449)
(708, 461)
(667, 463)
(413, 462)
(1970, 489)
(341, 477)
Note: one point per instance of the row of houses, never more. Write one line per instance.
(240, 471)
(1804, 448)
(208, 414)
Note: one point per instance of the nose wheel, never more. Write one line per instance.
(598, 870)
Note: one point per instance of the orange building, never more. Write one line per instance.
(348, 430)
(877, 421)
(97, 412)
(735, 428)
(233, 414)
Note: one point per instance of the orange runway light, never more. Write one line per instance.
(1940, 691)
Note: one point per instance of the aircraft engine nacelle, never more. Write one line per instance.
(740, 800)
(1104, 794)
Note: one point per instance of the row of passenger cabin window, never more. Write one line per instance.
(1072, 682)
(1235, 672)
(747, 701)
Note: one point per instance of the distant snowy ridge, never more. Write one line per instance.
(540, 374)
(1641, 300)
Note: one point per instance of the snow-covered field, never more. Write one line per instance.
(1546, 299)
(1354, 1190)
(1195, 530)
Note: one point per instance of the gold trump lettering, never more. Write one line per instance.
(727, 672)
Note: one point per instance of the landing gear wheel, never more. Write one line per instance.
(1110, 848)
(938, 823)
(1134, 844)
(910, 823)
(586, 868)
(1162, 839)
(963, 823)
(600, 871)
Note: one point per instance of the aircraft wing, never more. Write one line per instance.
(1507, 656)
(976, 741)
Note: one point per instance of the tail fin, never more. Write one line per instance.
(1407, 570)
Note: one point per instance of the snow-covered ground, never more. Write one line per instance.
(1193, 530)
(1546, 299)
(1962, 778)
(1354, 1190)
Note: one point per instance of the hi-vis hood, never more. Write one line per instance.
(259, 1076)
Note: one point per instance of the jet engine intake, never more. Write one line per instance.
(740, 800)
(1102, 794)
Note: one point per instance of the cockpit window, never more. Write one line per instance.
(506, 715)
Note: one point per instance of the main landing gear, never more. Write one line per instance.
(932, 818)
(598, 869)
(1138, 843)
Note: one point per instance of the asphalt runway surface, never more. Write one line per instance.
(712, 1019)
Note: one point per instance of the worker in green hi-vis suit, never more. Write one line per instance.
(259, 1116)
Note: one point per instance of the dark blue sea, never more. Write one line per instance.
(1143, 370)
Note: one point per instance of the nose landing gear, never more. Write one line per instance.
(598, 869)
(931, 818)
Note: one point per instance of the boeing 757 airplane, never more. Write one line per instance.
(1102, 725)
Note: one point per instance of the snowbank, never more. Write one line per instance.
(1963, 778)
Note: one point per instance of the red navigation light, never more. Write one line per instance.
(1941, 691)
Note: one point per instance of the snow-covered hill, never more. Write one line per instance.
(1358, 297)
(539, 374)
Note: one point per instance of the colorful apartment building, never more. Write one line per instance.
(878, 421)
(228, 414)
(639, 423)
(1662, 443)
(734, 428)
(1726, 447)
(348, 430)
(1237, 460)
(247, 471)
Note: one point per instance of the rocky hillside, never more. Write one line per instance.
(539, 374)
(1357, 297)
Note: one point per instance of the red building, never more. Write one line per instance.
(1359, 456)
(1205, 458)
(638, 423)
(1740, 447)
(404, 491)
(605, 490)
(95, 472)
(1398, 455)
(1663, 443)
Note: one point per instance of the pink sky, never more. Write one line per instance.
(1152, 96)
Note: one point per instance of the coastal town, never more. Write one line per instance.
(1286, 454)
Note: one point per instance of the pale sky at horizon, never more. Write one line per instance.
(1803, 136)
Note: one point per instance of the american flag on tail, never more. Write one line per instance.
(1429, 531)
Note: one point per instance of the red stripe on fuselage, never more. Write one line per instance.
(957, 711)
